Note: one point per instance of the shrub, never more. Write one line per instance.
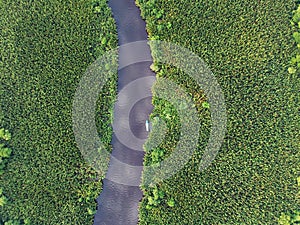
(289, 218)
(296, 36)
(4, 134)
(3, 200)
(4, 152)
(171, 202)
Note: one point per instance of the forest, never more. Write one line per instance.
(253, 50)
(46, 47)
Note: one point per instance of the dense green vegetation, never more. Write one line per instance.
(5, 153)
(248, 47)
(292, 218)
(295, 61)
(45, 48)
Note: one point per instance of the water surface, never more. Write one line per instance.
(118, 203)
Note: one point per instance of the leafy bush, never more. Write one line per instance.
(4, 134)
(171, 202)
(5, 152)
(295, 61)
(12, 222)
(3, 200)
(289, 219)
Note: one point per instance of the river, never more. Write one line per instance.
(118, 202)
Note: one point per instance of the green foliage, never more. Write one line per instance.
(248, 47)
(289, 218)
(296, 16)
(91, 211)
(296, 36)
(3, 200)
(171, 202)
(27, 222)
(16, 222)
(154, 197)
(47, 46)
(4, 134)
(157, 155)
(292, 70)
(284, 219)
(295, 61)
(4, 152)
(12, 222)
(205, 105)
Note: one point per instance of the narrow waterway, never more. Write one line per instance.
(118, 202)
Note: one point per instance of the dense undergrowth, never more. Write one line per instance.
(295, 61)
(45, 48)
(5, 153)
(248, 46)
